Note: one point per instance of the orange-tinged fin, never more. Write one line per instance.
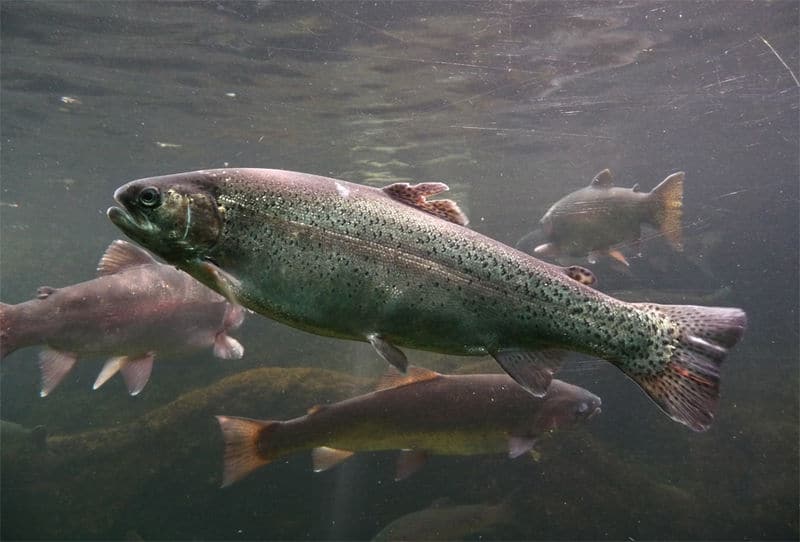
(121, 255)
(617, 255)
(242, 452)
(315, 409)
(580, 274)
(392, 378)
(687, 389)
(325, 458)
(409, 462)
(54, 366)
(668, 208)
(415, 195)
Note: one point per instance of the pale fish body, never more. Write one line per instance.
(421, 413)
(390, 267)
(602, 218)
(443, 521)
(136, 308)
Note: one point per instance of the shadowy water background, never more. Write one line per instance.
(513, 104)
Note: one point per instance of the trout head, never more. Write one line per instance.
(174, 216)
(566, 405)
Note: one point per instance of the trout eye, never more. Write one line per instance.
(150, 197)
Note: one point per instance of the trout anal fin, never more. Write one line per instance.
(415, 195)
(54, 366)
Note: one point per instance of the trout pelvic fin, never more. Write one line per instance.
(54, 366)
(687, 389)
(389, 352)
(531, 370)
(409, 462)
(668, 208)
(415, 195)
(242, 453)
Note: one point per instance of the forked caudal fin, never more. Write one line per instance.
(687, 389)
(242, 446)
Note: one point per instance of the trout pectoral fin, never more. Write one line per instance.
(617, 255)
(226, 347)
(136, 372)
(325, 458)
(388, 351)
(54, 366)
(409, 462)
(519, 445)
(220, 281)
(531, 370)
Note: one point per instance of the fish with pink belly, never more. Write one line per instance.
(135, 308)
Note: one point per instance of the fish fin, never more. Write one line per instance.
(687, 388)
(234, 316)
(393, 378)
(242, 452)
(668, 208)
(546, 249)
(226, 347)
(580, 274)
(121, 255)
(111, 368)
(531, 370)
(519, 445)
(325, 458)
(7, 328)
(603, 179)
(218, 280)
(315, 409)
(43, 292)
(617, 255)
(388, 351)
(415, 195)
(54, 366)
(592, 257)
(635, 187)
(409, 462)
(136, 372)
(39, 437)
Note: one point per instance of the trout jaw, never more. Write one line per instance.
(179, 222)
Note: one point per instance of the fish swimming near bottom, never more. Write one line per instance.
(595, 220)
(421, 413)
(135, 308)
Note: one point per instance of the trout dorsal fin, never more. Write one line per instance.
(603, 179)
(580, 274)
(120, 255)
(415, 195)
(395, 379)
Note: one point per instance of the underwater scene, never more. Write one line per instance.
(399, 270)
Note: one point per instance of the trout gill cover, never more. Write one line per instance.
(389, 267)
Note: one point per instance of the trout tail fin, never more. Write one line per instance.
(244, 441)
(7, 342)
(687, 389)
(667, 208)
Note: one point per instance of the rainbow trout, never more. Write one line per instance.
(390, 267)
(597, 219)
(135, 308)
(421, 413)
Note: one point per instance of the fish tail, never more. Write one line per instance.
(244, 446)
(7, 342)
(668, 208)
(687, 387)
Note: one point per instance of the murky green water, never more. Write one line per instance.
(513, 104)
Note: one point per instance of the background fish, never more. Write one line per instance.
(136, 308)
(598, 219)
(392, 268)
(421, 413)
